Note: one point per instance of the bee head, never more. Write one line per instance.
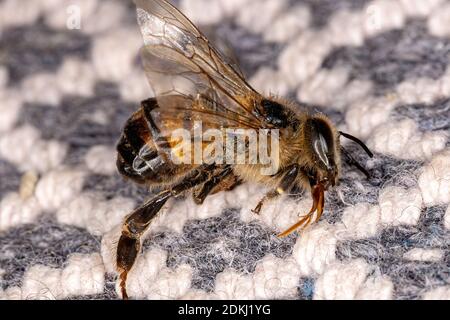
(321, 142)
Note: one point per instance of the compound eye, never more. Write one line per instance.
(322, 143)
(321, 149)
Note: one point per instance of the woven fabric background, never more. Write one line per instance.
(380, 69)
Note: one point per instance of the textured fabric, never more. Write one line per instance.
(381, 71)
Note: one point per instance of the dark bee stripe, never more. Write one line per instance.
(126, 151)
(137, 132)
(147, 107)
(136, 135)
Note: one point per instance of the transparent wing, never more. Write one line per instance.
(191, 80)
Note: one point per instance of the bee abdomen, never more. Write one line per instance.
(138, 158)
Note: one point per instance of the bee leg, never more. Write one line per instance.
(320, 206)
(130, 241)
(269, 196)
(211, 184)
(286, 183)
(318, 195)
(139, 220)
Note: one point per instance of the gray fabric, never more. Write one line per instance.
(391, 57)
(387, 250)
(244, 245)
(386, 60)
(40, 49)
(45, 242)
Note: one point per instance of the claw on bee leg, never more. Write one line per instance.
(318, 205)
(287, 181)
(258, 208)
(267, 197)
(123, 283)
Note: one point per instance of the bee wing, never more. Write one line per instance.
(190, 79)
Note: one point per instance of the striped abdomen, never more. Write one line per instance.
(138, 157)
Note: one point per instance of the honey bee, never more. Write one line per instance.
(193, 82)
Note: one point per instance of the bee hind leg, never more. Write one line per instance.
(130, 241)
(287, 181)
(139, 221)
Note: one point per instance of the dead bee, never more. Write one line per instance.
(193, 83)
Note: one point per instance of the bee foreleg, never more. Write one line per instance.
(139, 220)
(287, 182)
(269, 196)
(318, 205)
